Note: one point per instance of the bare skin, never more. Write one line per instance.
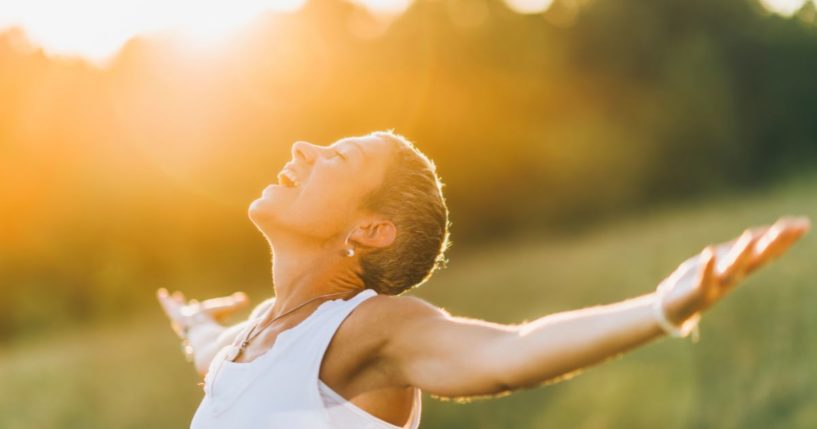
(391, 345)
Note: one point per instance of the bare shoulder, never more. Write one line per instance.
(370, 330)
(404, 305)
(384, 319)
(398, 310)
(378, 318)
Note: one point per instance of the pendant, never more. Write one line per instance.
(233, 352)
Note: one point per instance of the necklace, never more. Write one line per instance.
(236, 349)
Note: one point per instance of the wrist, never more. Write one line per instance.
(676, 324)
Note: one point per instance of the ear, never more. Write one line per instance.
(375, 232)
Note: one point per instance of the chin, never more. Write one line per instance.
(262, 211)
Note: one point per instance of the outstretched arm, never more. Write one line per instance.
(459, 357)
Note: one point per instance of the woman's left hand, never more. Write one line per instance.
(706, 278)
(182, 312)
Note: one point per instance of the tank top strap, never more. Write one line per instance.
(313, 339)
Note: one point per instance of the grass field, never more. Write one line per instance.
(754, 366)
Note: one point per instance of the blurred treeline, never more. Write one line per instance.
(115, 181)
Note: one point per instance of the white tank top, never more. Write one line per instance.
(282, 388)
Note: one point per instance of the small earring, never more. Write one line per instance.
(349, 251)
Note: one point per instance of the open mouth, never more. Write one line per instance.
(287, 179)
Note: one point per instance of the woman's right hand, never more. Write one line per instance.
(183, 314)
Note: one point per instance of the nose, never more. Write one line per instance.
(304, 151)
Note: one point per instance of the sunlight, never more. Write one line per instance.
(96, 29)
(529, 6)
(386, 7)
(783, 7)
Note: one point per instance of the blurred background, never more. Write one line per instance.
(587, 147)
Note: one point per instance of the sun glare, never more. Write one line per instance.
(97, 29)
(529, 6)
(783, 7)
(386, 7)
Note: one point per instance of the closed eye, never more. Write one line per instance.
(341, 155)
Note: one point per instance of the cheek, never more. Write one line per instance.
(332, 208)
(334, 194)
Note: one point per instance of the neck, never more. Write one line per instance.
(303, 271)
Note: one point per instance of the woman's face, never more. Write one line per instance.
(331, 182)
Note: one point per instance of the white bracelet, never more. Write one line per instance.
(690, 326)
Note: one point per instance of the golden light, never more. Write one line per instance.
(96, 29)
(385, 7)
(529, 6)
(783, 7)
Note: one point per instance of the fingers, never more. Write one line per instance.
(171, 308)
(175, 306)
(724, 249)
(758, 245)
(777, 239)
(708, 270)
(164, 300)
(785, 231)
(170, 302)
(219, 307)
(236, 299)
(734, 263)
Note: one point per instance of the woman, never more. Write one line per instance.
(351, 227)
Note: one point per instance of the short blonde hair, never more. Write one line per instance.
(411, 196)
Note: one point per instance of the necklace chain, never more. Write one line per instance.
(236, 351)
(252, 333)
